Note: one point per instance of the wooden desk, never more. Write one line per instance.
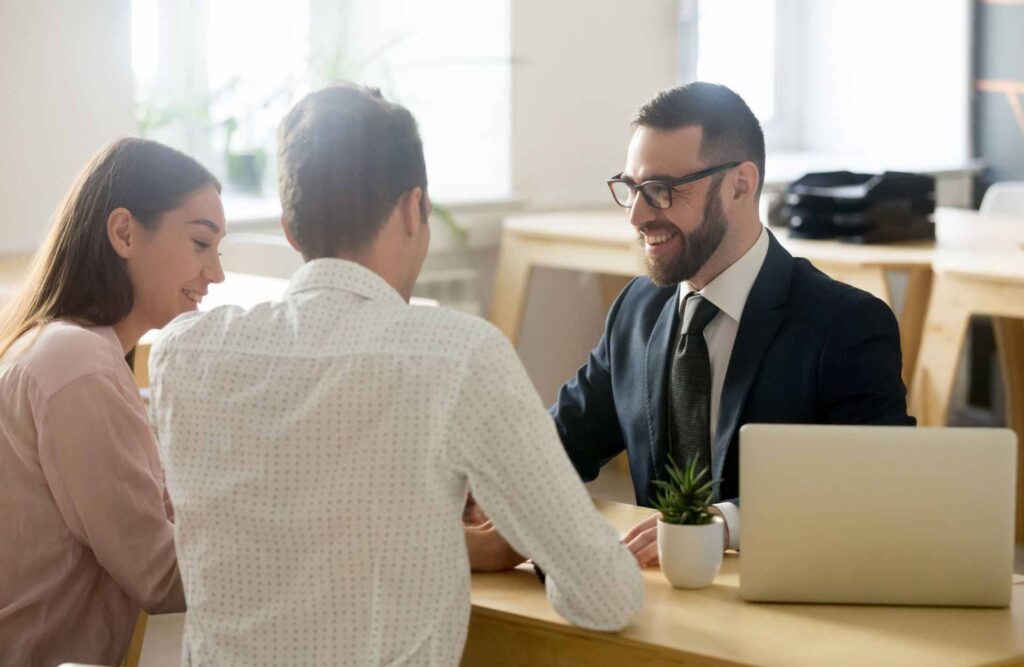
(513, 624)
(604, 243)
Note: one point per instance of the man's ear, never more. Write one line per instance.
(286, 228)
(409, 207)
(121, 232)
(745, 183)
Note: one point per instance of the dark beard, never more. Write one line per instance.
(698, 245)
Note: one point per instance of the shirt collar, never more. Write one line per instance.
(729, 290)
(342, 274)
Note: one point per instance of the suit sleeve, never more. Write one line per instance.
(584, 412)
(859, 379)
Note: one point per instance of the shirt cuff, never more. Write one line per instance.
(731, 514)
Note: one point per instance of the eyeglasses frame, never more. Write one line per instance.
(671, 184)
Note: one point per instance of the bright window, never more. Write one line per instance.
(215, 77)
(753, 47)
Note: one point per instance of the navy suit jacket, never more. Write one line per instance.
(809, 350)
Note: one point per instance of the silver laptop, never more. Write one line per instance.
(877, 514)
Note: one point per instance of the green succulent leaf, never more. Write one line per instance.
(685, 498)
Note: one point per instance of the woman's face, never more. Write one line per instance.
(175, 261)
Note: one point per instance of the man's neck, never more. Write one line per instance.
(739, 239)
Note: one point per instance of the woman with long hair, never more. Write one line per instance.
(86, 526)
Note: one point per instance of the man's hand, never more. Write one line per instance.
(642, 539)
(488, 550)
(472, 513)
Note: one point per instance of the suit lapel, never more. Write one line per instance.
(762, 316)
(656, 377)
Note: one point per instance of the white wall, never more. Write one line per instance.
(67, 90)
(581, 69)
(888, 80)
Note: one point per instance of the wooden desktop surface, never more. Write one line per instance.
(612, 228)
(514, 624)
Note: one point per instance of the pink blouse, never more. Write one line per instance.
(86, 526)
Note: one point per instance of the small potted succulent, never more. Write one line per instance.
(690, 537)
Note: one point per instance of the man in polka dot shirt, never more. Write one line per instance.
(318, 450)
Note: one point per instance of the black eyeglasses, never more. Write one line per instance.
(657, 193)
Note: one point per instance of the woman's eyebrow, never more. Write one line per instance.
(213, 226)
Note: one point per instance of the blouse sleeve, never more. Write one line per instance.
(99, 456)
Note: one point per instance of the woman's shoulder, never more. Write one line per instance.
(61, 352)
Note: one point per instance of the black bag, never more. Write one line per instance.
(861, 208)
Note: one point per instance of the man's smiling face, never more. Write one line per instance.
(677, 241)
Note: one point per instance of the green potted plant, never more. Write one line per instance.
(243, 168)
(690, 537)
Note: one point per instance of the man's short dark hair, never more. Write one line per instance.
(345, 156)
(731, 131)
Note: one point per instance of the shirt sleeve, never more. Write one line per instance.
(731, 516)
(503, 440)
(99, 456)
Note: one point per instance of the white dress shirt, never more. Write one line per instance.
(729, 291)
(318, 452)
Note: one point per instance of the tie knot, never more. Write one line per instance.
(697, 313)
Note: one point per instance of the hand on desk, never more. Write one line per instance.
(642, 539)
(488, 550)
(472, 513)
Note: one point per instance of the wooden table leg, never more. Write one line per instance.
(1010, 344)
(912, 317)
(945, 329)
(511, 282)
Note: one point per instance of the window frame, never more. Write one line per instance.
(783, 132)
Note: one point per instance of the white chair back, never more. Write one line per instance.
(259, 254)
(1006, 198)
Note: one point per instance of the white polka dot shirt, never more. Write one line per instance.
(318, 451)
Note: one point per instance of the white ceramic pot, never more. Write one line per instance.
(690, 555)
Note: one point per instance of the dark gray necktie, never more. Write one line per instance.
(689, 396)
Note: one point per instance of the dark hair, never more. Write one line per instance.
(76, 274)
(345, 156)
(731, 131)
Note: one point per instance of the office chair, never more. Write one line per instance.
(1006, 198)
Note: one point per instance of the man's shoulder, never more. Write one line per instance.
(61, 352)
(637, 309)
(813, 287)
(195, 329)
(643, 295)
(443, 325)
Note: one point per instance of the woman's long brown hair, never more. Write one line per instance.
(76, 274)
